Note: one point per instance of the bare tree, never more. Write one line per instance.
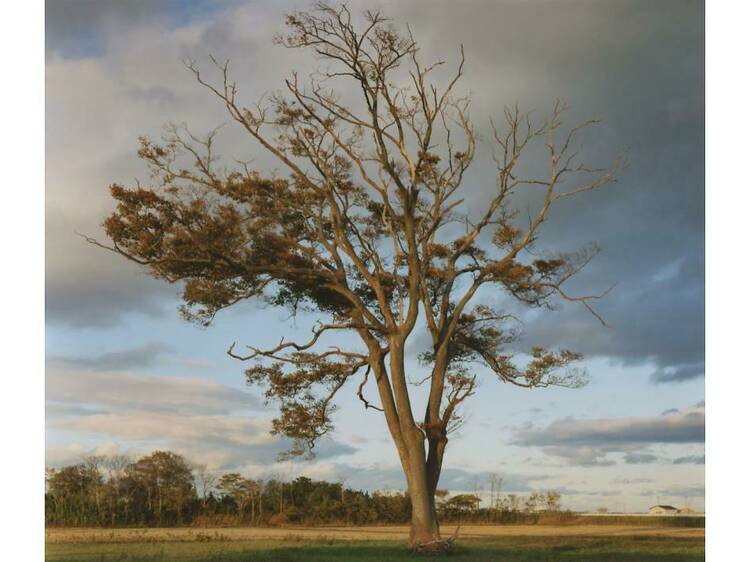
(206, 479)
(341, 481)
(367, 227)
(116, 465)
(496, 483)
(552, 501)
(94, 463)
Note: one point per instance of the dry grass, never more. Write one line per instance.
(477, 543)
(384, 533)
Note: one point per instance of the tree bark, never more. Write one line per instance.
(425, 529)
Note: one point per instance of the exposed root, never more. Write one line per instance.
(433, 548)
(437, 547)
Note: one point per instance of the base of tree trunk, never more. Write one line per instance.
(433, 548)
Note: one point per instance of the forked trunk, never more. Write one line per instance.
(422, 471)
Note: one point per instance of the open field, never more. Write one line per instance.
(512, 543)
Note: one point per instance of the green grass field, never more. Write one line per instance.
(501, 549)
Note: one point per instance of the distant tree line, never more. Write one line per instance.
(163, 489)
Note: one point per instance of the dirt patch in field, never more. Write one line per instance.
(400, 533)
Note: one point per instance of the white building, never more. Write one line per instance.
(663, 510)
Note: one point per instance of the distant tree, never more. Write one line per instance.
(205, 479)
(342, 480)
(392, 507)
(95, 464)
(156, 490)
(511, 502)
(73, 491)
(261, 490)
(366, 225)
(461, 505)
(552, 501)
(242, 490)
(165, 481)
(496, 483)
(115, 466)
(441, 496)
(533, 502)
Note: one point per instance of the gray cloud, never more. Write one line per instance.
(115, 392)
(62, 409)
(142, 356)
(581, 456)
(589, 442)
(218, 440)
(678, 492)
(691, 459)
(687, 426)
(197, 417)
(77, 28)
(86, 287)
(678, 373)
(72, 453)
(139, 79)
(640, 458)
(632, 481)
(662, 324)
(684, 491)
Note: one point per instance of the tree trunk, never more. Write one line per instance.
(424, 535)
(425, 530)
(252, 509)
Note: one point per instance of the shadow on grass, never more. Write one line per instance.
(529, 549)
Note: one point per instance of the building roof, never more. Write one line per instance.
(663, 507)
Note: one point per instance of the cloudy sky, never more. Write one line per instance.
(125, 373)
